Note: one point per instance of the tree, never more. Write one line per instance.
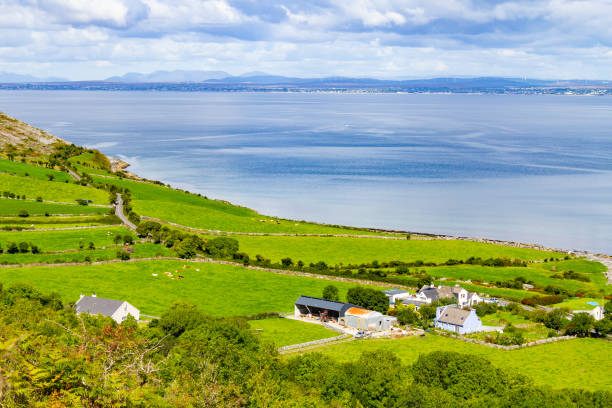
(24, 213)
(222, 247)
(406, 314)
(330, 292)
(24, 247)
(608, 308)
(180, 317)
(128, 239)
(50, 177)
(555, 319)
(12, 248)
(187, 248)
(118, 238)
(91, 245)
(286, 262)
(368, 298)
(123, 255)
(580, 325)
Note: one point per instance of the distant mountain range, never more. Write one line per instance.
(9, 77)
(197, 80)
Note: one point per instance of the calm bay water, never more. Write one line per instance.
(525, 168)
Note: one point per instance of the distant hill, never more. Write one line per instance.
(18, 78)
(169, 76)
(22, 136)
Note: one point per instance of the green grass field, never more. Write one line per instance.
(194, 211)
(536, 272)
(65, 239)
(60, 221)
(334, 250)
(144, 250)
(21, 169)
(219, 290)
(579, 363)
(12, 207)
(284, 332)
(501, 318)
(579, 303)
(51, 190)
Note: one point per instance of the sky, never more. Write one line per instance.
(388, 39)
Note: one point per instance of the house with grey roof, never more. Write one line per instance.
(395, 295)
(464, 298)
(457, 320)
(118, 310)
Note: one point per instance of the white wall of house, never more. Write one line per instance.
(124, 311)
(597, 312)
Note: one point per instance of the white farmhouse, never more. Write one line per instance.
(118, 310)
(597, 312)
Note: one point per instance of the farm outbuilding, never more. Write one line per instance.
(364, 319)
(322, 308)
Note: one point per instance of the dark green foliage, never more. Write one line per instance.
(24, 213)
(571, 275)
(123, 255)
(222, 247)
(580, 325)
(555, 319)
(189, 247)
(148, 228)
(330, 292)
(180, 317)
(367, 298)
(463, 376)
(128, 239)
(483, 309)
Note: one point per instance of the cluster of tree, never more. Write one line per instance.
(542, 300)
(20, 248)
(498, 262)
(571, 275)
(10, 194)
(372, 299)
(52, 357)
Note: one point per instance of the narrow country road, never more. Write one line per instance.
(75, 176)
(119, 213)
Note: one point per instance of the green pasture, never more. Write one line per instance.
(579, 303)
(217, 289)
(578, 363)
(21, 169)
(501, 318)
(198, 212)
(335, 250)
(13, 206)
(533, 272)
(141, 250)
(61, 221)
(64, 239)
(51, 190)
(284, 332)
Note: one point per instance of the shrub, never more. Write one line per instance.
(24, 213)
(39, 199)
(222, 247)
(330, 292)
(123, 255)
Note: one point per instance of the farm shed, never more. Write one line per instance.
(118, 310)
(364, 319)
(457, 320)
(317, 307)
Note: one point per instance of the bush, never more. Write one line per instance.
(39, 199)
(580, 325)
(123, 255)
(371, 299)
(222, 247)
(330, 292)
(24, 213)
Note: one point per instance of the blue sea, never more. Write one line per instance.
(527, 168)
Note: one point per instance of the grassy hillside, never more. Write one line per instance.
(23, 169)
(198, 212)
(283, 332)
(51, 190)
(334, 250)
(60, 240)
(588, 360)
(219, 290)
(12, 207)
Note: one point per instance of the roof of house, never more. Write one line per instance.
(391, 292)
(358, 311)
(323, 303)
(415, 302)
(454, 315)
(96, 305)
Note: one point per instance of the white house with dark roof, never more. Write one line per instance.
(464, 298)
(118, 310)
(457, 320)
(396, 295)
